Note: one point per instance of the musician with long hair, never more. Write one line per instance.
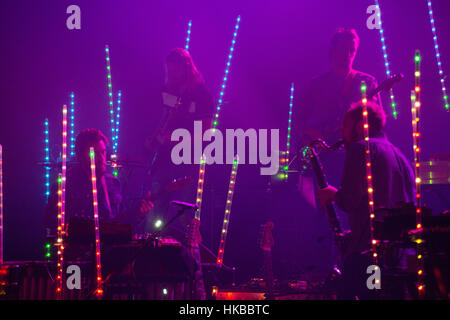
(185, 99)
(185, 96)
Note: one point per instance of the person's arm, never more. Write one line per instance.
(353, 193)
(133, 215)
(377, 97)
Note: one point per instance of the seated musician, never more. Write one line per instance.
(79, 188)
(393, 184)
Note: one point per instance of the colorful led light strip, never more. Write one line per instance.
(369, 176)
(46, 159)
(226, 76)
(60, 243)
(288, 139)
(64, 168)
(416, 136)
(284, 166)
(119, 101)
(201, 180)
(1, 204)
(72, 125)
(99, 291)
(110, 95)
(226, 219)
(386, 61)
(188, 38)
(438, 56)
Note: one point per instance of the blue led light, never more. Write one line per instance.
(227, 70)
(188, 37)
(291, 103)
(72, 125)
(116, 139)
(438, 56)
(386, 62)
(46, 159)
(110, 95)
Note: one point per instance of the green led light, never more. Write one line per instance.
(48, 255)
(417, 58)
(59, 180)
(158, 223)
(363, 88)
(115, 173)
(48, 246)
(91, 154)
(215, 122)
(285, 168)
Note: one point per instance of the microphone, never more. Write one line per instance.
(185, 205)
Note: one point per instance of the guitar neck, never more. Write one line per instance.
(323, 183)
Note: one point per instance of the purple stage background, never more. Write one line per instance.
(279, 42)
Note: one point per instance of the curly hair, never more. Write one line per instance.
(376, 116)
(86, 139)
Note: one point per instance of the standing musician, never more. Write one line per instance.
(321, 109)
(328, 97)
(393, 184)
(79, 188)
(185, 99)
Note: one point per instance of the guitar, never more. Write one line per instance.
(266, 242)
(194, 238)
(322, 182)
(310, 134)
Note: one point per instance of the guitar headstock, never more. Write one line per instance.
(266, 241)
(387, 84)
(194, 238)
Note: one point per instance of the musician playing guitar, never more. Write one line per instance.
(327, 98)
(185, 99)
(321, 108)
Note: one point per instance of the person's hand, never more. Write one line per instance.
(326, 195)
(145, 206)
